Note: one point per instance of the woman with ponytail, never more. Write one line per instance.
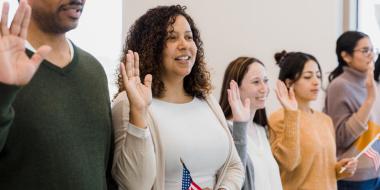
(350, 101)
(306, 151)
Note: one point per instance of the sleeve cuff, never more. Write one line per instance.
(291, 122)
(356, 126)
(138, 132)
(8, 94)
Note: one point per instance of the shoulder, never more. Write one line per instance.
(339, 85)
(84, 57)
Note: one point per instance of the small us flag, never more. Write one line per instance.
(187, 181)
(373, 153)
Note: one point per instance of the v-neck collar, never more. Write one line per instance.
(64, 70)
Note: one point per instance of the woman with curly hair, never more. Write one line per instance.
(170, 117)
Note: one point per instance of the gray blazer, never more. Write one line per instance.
(239, 134)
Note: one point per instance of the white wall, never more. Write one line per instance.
(258, 28)
(100, 33)
(228, 28)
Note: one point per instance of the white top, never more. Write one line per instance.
(190, 132)
(267, 173)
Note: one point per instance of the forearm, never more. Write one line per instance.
(348, 130)
(137, 118)
(364, 111)
(239, 135)
(285, 140)
(134, 161)
(134, 157)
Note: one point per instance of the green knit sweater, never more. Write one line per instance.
(56, 132)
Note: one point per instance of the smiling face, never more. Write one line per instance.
(254, 86)
(56, 16)
(362, 56)
(180, 50)
(307, 87)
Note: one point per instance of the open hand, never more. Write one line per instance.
(239, 111)
(139, 94)
(370, 84)
(16, 68)
(285, 96)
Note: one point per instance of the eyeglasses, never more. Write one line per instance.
(368, 51)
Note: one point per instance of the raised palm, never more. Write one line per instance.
(285, 96)
(16, 68)
(370, 83)
(240, 111)
(139, 94)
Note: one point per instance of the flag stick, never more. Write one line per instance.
(362, 152)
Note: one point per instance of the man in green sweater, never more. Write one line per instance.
(55, 122)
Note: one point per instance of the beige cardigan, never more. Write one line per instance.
(139, 162)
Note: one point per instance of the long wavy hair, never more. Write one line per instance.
(148, 36)
(236, 71)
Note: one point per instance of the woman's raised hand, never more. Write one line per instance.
(239, 111)
(285, 96)
(16, 68)
(370, 84)
(139, 94)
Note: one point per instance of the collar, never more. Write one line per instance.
(31, 48)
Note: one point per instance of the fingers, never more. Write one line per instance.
(129, 64)
(237, 91)
(18, 18)
(234, 90)
(4, 19)
(148, 81)
(351, 166)
(25, 22)
(229, 97)
(291, 93)
(40, 54)
(123, 74)
(136, 65)
(133, 64)
(280, 89)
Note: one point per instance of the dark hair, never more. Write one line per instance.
(345, 43)
(377, 69)
(236, 71)
(292, 64)
(148, 36)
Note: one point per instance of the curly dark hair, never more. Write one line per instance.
(148, 36)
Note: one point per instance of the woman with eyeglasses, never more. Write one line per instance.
(350, 101)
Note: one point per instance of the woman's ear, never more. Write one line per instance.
(346, 57)
(288, 83)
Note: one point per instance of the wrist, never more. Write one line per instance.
(137, 118)
(369, 101)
